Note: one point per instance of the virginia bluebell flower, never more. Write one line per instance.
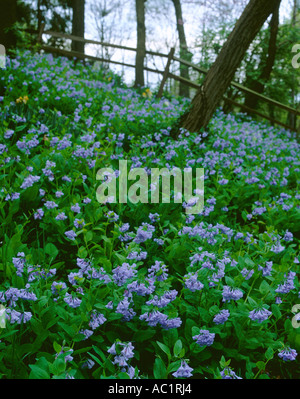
(231, 293)
(259, 315)
(205, 338)
(288, 354)
(184, 371)
(221, 317)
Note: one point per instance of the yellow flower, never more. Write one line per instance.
(147, 93)
(22, 99)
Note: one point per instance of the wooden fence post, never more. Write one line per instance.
(166, 72)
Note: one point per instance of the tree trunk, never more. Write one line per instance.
(222, 71)
(267, 63)
(184, 90)
(78, 24)
(39, 15)
(141, 43)
(291, 118)
(8, 16)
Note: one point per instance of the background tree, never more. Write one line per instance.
(78, 7)
(223, 70)
(8, 17)
(266, 63)
(183, 49)
(141, 43)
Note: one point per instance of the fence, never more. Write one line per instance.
(166, 74)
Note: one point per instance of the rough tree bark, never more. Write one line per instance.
(222, 71)
(141, 43)
(78, 24)
(184, 90)
(267, 63)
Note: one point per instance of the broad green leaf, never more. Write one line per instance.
(164, 348)
(159, 370)
(177, 348)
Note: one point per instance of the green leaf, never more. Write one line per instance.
(269, 353)
(177, 348)
(100, 353)
(58, 366)
(264, 287)
(51, 250)
(252, 302)
(174, 366)
(56, 347)
(96, 359)
(123, 376)
(82, 253)
(89, 236)
(68, 329)
(159, 370)
(249, 262)
(260, 365)
(40, 370)
(38, 373)
(276, 311)
(164, 348)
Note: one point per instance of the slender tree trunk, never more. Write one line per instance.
(141, 43)
(221, 73)
(184, 90)
(78, 24)
(291, 118)
(8, 16)
(39, 14)
(267, 63)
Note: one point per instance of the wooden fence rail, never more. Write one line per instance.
(166, 74)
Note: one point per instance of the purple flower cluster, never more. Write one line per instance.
(97, 319)
(221, 317)
(267, 270)
(71, 234)
(231, 294)
(156, 317)
(288, 354)
(228, 374)
(72, 301)
(288, 284)
(123, 273)
(259, 315)
(17, 317)
(29, 181)
(192, 283)
(123, 353)
(164, 300)
(184, 371)
(205, 338)
(144, 233)
(124, 308)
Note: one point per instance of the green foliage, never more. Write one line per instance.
(85, 301)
